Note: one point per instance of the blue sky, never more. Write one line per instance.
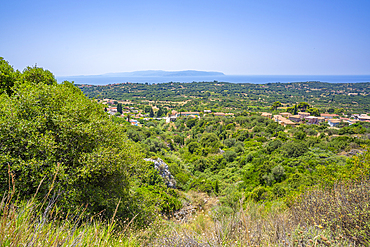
(259, 37)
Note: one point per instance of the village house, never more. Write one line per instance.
(266, 114)
(112, 110)
(287, 122)
(286, 114)
(364, 117)
(295, 118)
(172, 118)
(173, 114)
(334, 122)
(352, 121)
(277, 118)
(328, 116)
(312, 120)
(304, 115)
(283, 121)
(189, 113)
(320, 119)
(134, 122)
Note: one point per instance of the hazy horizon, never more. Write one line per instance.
(237, 37)
(112, 73)
(254, 79)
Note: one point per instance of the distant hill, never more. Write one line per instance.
(159, 73)
(166, 73)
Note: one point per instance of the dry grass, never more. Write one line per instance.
(337, 216)
(342, 210)
(35, 223)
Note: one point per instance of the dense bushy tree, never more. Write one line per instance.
(7, 77)
(294, 149)
(38, 75)
(314, 111)
(52, 133)
(303, 106)
(275, 105)
(190, 123)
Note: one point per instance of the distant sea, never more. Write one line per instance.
(255, 79)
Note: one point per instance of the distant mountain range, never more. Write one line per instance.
(155, 73)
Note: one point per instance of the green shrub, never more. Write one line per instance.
(52, 133)
(230, 155)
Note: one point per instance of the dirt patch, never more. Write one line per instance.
(198, 203)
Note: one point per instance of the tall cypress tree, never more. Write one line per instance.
(160, 112)
(119, 108)
(151, 113)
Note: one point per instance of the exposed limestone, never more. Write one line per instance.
(164, 172)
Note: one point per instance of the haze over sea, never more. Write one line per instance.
(255, 79)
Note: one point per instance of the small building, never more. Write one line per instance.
(286, 122)
(320, 119)
(283, 121)
(363, 117)
(134, 122)
(334, 122)
(266, 114)
(304, 115)
(328, 116)
(344, 119)
(112, 110)
(286, 114)
(352, 121)
(207, 111)
(278, 118)
(219, 114)
(295, 118)
(312, 120)
(189, 113)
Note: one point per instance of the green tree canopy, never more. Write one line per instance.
(7, 77)
(303, 106)
(314, 111)
(209, 139)
(38, 75)
(49, 129)
(275, 105)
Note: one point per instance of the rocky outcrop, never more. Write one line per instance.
(164, 172)
(184, 214)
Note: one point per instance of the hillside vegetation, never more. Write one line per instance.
(236, 97)
(74, 175)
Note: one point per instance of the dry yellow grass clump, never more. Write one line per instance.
(335, 216)
(34, 223)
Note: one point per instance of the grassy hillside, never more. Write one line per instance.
(73, 175)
